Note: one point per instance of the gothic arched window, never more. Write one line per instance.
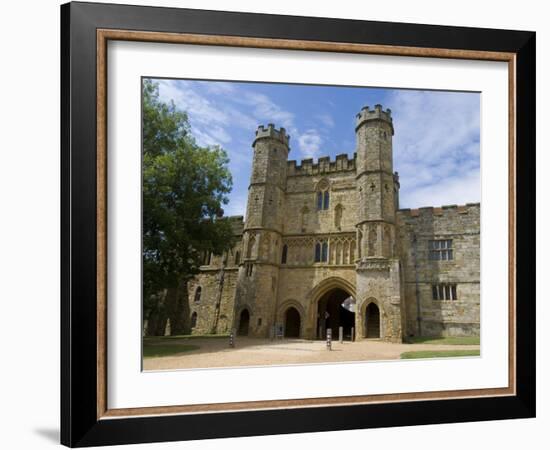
(283, 256)
(324, 252)
(193, 320)
(198, 292)
(237, 258)
(323, 195)
(321, 252)
(318, 252)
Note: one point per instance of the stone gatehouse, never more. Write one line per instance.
(325, 245)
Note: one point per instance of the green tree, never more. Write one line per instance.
(184, 187)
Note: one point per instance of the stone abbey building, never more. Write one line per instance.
(325, 245)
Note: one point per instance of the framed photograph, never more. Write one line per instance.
(277, 224)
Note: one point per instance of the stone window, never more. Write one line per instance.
(323, 199)
(198, 293)
(207, 258)
(323, 195)
(444, 291)
(237, 258)
(324, 252)
(321, 251)
(319, 201)
(249, 270)
(193, 320)
(441, 249)
(284, 255)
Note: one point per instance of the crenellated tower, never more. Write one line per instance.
(259, 274)
(378, 272)
(375, 182)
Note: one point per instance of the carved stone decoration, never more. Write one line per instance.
(338, 211)
(304, 218)
(372, 240)
(387, 240)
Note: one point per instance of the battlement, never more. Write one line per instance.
(366, 115)
(271, 133)
(438, 210)
(342, 163)
(237, 224)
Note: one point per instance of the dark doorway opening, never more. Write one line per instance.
(244, 322)
(372, 321)
(292, 323)
(331, 314)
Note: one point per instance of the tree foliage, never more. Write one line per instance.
(184, 187)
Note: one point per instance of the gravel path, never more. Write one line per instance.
(260, 352)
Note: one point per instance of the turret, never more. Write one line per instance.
(263, 228)
(375, 182)
(268, 178)
(378, 269)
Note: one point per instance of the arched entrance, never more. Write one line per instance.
(244, 322)
(372, 321)
(292, 323)
(333, 312)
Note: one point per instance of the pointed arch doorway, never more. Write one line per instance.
(293, 323)
(372, 321)
(244, 322)
(334, 311)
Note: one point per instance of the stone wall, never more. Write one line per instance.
(301, 214)
(218, 284)
(460, 224)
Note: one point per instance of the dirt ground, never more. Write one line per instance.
(261, 352)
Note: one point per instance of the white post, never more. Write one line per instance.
(341, 334)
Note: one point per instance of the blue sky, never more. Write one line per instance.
(436, 141)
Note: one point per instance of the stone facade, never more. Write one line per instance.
(319, 235)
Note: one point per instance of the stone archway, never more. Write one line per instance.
(332, 313)
(326, 310)
(372, 321)
(244, 323)
(293, 323)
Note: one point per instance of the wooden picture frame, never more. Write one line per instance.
(85, 416)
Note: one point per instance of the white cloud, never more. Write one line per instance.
(455, 190)
(326, 119)
(266, 110)
(219, 87)
(310, 143)
(436, 146)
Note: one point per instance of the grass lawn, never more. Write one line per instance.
(451, 340)
(438, 354)
(151, 350)
(157, 346)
